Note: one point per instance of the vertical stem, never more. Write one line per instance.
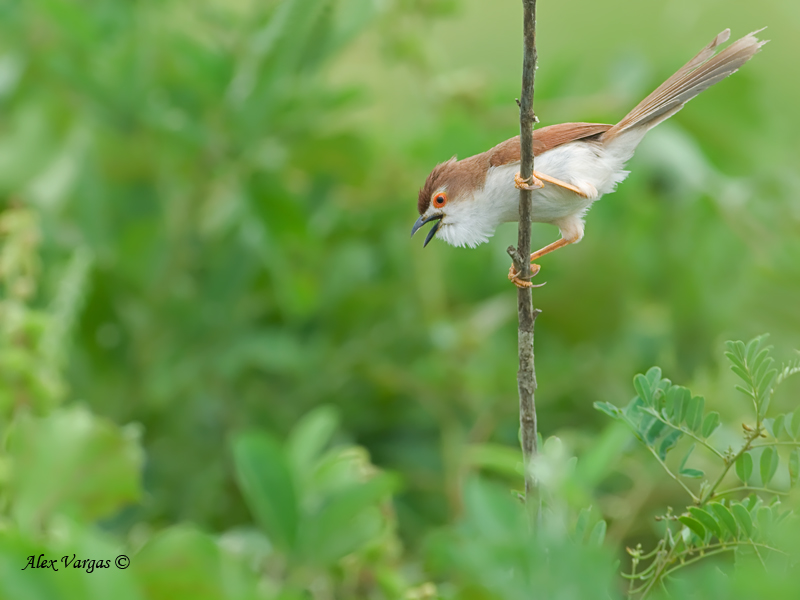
(526, 376)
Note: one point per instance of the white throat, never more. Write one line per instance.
(472, 220)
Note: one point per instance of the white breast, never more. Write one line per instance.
(587, 166)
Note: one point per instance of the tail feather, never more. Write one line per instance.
(699, 74)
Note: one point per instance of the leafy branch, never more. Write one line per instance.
(661, 415)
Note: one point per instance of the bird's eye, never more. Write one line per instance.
(440, 199)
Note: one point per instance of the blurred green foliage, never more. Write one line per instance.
(222, 356)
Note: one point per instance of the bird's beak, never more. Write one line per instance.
(421, 221)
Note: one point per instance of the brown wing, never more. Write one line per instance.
(545, 139)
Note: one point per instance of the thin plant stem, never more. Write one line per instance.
(696, 559)
(776, 443)
(749, 489)
(695, 499)
(632, 576)
(729, 545)
(526, 376)
(729, 463)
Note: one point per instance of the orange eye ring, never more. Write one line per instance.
(440, 199)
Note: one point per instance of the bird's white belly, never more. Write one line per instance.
(584, 165)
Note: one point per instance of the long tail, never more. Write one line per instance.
(699, 74)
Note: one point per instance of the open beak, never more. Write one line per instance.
(421, 221)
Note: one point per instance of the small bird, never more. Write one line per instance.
(576, 163)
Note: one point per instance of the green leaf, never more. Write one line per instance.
(707, 519)
(654, 430)
(309, 437)
(759, 364)
(686, 458)
(268, 486)
(744, 467)
(735, 360)
(658, 398)
(653, 377)
(742, 374)
(669, 442)
(694, 413)
(609, 409)
(794, 465)
(72, 462)
(743, 518)
(710, 423)
(725, 517)
(642, 386)
(581, 525)
(633, 411)
(751, 349)
(645, 422)
(181, 562)
(775, 426)
(741, 350)
(490, 509)
(788, 424)
(765, 519)
(692, 473)
(694, 525)
(677, 402)
(347, 521)
(793, 425)
(497, 458)
(764, 388)
(760, 372)
(598, 534)
(768, 464)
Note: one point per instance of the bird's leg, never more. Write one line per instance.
(567, 186)
(550, 247)
(514, 277)
(532, 183)
(537, 180)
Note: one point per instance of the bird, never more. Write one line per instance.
(575, 163)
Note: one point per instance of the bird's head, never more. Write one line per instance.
(453, 198)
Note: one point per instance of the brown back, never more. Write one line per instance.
(471, 172)
(545, 139)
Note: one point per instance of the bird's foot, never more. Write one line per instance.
(532, 183)
(514, 277)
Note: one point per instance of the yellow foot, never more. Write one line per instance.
(527, 184)
(514, 278)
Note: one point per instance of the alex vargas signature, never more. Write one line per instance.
(66, 561)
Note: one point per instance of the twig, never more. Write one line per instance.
(751, 437)
(685, 487)
(526, 376)
(747, 488)
(764, 445)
